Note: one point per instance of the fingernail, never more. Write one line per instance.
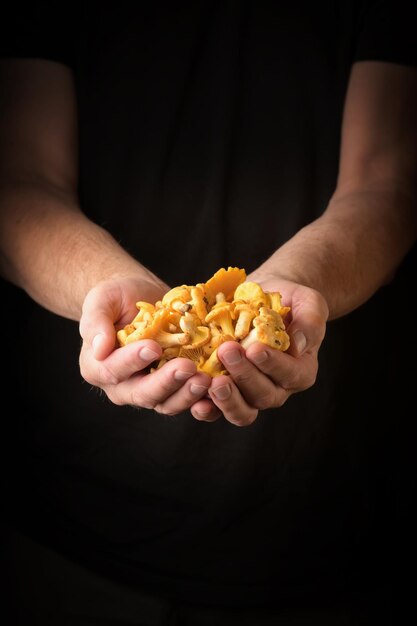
(181, 375)
(232, 357)
(260, 357)
(98, 339)
(300, 341)
(222, 393)
(146, 354)
(203, 414)
(198, 390)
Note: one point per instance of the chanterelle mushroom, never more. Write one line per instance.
(213, 366)
(177, 298)
(252, 294)
(157, 331)
(221, 314)
(274, 298)
(268, 328)
(145, 313)
(245, 314)
(224, 281)
(198, 302)
(192, 321)
(198, 335)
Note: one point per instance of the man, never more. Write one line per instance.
(146, 150)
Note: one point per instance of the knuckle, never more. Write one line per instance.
(138, 398)
(242, 378)
(297, 381)
(244, 421)
(99, 375)
(282, 396)
(310, 381)
(264, 401)
(163, 410)
(165, 384)
(106, 377)
(115, 399)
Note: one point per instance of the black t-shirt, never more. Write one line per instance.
(209, 134)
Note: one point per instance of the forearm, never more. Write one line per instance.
(349, 252)
(51, 250)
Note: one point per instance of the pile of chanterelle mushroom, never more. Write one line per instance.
(192, 321)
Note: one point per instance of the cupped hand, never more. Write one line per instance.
(123, 373)
(262, 377)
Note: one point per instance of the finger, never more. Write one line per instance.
(308, 325)
(150, 391)
(284, 370)
(99, 334)
(256, 388)
(97, 323)
(228, 399)
(191, 392)
(205, 411)
(121, 364)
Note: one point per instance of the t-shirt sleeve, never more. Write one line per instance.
(42, 30)
(386, 32)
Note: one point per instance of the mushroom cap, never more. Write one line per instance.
(199, 335)
(224, 281)
(219, 311)
(222, 315)
(181, 293)
(158, 329)
(215, 341)
(146, 306)
(268, 330)
(269, 316)
(252, 294)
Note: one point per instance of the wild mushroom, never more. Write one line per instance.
(274, 298)
(272, 316)
(198, 302)
(192, 321)
(252, 294)
(167, 355)
(268, 328)
(157, 330)
(177, 298)
(224, 281)
(217, 337)
(199, 335)
(145, 312)
(194, 354)
(123, 334)
(221, 314)
(245, 314)
(213, 366)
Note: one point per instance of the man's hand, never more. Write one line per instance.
(262, 377)
(123, 373)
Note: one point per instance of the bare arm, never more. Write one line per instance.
(64, 261)
(371, 220)
(48, 246)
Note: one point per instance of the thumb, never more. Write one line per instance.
(97, 330)
(308, 325)
(103, 343)
(298, 342)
